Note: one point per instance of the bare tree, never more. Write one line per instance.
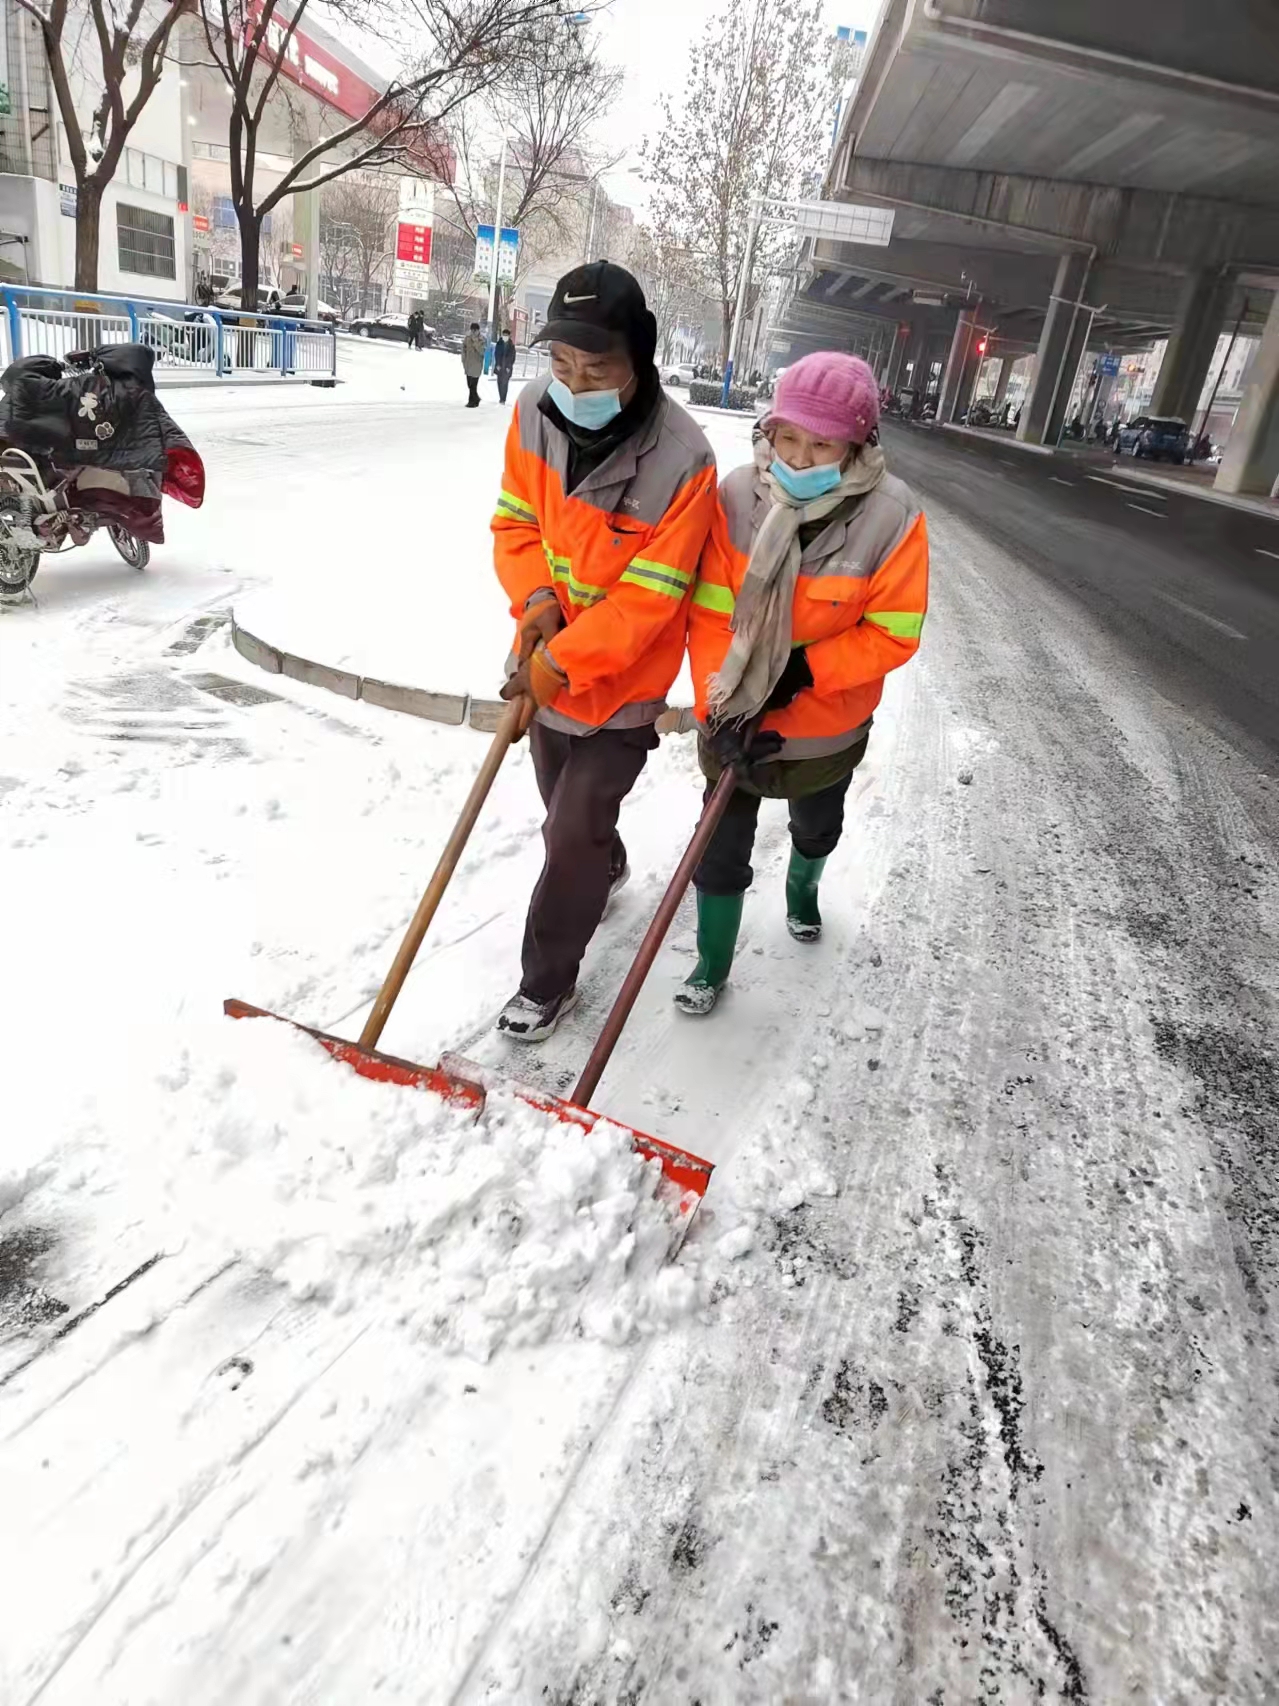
(676, 281)
(468, 45)
(546, 104)
(748, 126)
(356, 218)
(120, 64)
(452, 257)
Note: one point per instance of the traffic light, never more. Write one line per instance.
(981, 346)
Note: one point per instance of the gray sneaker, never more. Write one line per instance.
(524, 1020)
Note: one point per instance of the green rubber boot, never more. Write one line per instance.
(803, 920)
(719, 917)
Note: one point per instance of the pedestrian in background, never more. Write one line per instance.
(812, 586)
(416, 322)
(503, 362)
(473, 363)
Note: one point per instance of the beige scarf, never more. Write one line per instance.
(761, 641)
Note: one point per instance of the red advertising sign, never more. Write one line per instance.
(199, 222)
(413, 243)
(297, 251)
(330, 79)
(305, 62)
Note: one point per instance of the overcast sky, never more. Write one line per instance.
(650, 40)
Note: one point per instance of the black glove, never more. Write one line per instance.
(738, 749)
(793, 680)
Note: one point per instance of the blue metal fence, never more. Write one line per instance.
(190, 342)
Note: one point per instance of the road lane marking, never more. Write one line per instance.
(1265, 553)
(1133, 491)
(1009, 463)
(1203, 616)
(1057, 482)
(1162, 514)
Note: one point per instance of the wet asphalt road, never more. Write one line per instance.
(1190, 588)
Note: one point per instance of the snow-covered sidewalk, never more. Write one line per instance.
(308, 1392)
(399, 584)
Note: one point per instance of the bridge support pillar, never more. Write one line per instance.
(1251, 461)
(961, 367)
(1061, 343)
(1201, 310)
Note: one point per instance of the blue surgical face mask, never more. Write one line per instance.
(589, 410)
(804, 484)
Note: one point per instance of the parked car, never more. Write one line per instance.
(679, 373)
(1155, 436)
(450, 341)
(393, 328)
(295, 303)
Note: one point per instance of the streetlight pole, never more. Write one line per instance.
(590, 229)
(497, 241)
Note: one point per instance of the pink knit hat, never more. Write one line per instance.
(830, 395)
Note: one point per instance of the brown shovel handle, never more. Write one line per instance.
(712, 812)
(508, 730)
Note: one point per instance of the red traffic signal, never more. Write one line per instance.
(981, 347)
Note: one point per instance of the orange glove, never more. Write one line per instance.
(539, 624)
(538, 680)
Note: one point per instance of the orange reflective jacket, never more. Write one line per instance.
(858, 608)
(620, 554)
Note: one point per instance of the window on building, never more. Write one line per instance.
(146, 242)
(149, 172)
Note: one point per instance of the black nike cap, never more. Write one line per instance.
(597, 305)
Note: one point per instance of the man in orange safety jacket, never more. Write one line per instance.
(607, 498)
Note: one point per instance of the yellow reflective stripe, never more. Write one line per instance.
(508, 502)
(663, 571)
(712, 597)
(579, 592)
(901, 624)
(658, 577)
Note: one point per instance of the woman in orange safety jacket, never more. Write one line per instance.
(812, 586)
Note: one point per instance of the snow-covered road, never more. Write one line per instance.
(967, 1388)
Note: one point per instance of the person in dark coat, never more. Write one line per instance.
(473, 363)
(417, 324)
(503, 362)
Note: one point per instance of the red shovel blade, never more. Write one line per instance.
(463, 1081)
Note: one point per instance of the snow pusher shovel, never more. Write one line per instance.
(465, 1082)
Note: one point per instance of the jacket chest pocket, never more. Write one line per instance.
(626, 540)
(829, 603)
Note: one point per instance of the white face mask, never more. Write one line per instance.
(590, 410)
(804, 484)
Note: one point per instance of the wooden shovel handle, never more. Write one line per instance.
(509, 730)
(712, 812)
(655, 935)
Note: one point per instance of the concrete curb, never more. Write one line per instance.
(1007, 440)
(453, 709)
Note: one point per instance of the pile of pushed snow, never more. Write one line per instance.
(473, 1233)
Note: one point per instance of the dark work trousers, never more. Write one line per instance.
(473, 392)
(503, 380)
(816, 823)
(583, 780)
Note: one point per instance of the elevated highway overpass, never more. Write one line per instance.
(1062, 176)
